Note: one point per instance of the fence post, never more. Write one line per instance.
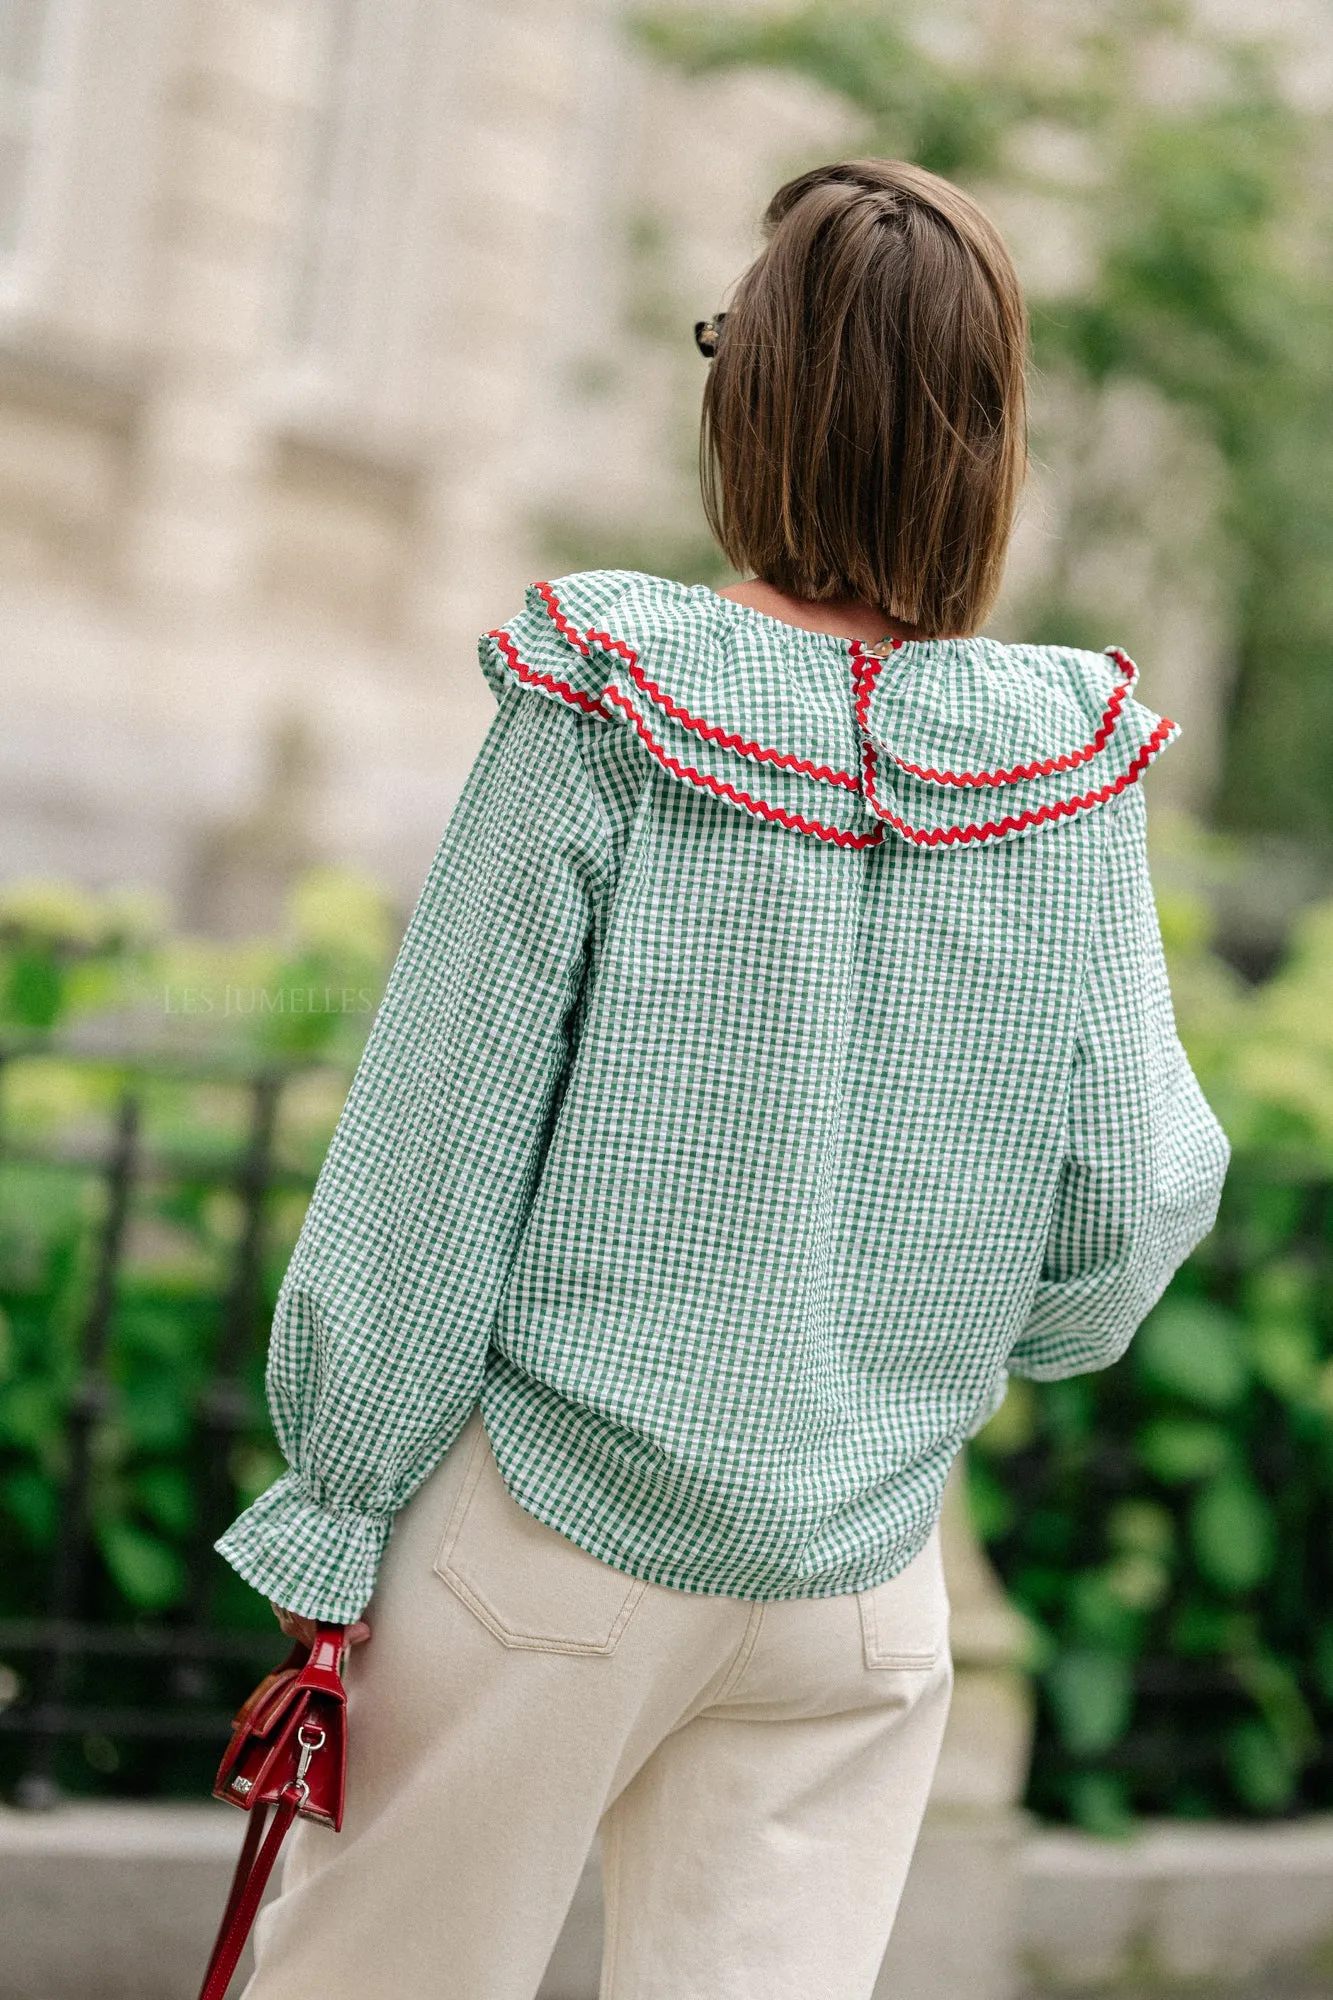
(38, 1788)
(226, 1406)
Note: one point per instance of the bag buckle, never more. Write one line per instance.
(311, 1738)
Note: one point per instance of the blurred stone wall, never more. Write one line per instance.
(275, 318)
(324, 326)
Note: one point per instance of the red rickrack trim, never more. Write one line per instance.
(866, 667)
(712, 731)
(1048, 766)
(591, 705)
(558, 618)
(587, 702)
(839, 836)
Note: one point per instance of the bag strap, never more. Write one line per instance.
(319, 1674)
(254, 1865)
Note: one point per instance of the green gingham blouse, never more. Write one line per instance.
(779, 1055)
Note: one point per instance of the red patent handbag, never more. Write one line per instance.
(288, 1750)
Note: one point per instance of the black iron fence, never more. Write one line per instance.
(95, 1681)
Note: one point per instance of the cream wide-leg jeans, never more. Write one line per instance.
(759, 1772)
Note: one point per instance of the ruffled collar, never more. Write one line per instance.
(944, 742)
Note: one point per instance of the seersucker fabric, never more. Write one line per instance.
(780, 1055)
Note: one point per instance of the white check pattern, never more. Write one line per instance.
(730, 1143)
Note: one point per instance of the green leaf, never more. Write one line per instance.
(1232, 1529)
(1099, 1804)
(1141, 1526)
(1069, 1409)
(1099, 1615)
(1014, 1424)
(1194, 1350)
(1284, 1288)
(1271, 1216)
(1138, 1580)
(146, 1571)
(155, 1411)
(1262, 1771)
(32, 1414)
(344, 912)
(33, 1500)
(253, 1467)
(35, 989)
(153, 1328)
(1179, 1449)
(163, 1491)
(1276, 1693)
(1050, 1532)
(1285, 1355)
(1092, 1696)
(993, 1512)
(1200, 1631)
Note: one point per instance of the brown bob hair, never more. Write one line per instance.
(864, 423)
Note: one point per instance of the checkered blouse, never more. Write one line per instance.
(780, 1054)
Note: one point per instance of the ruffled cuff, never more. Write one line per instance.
(303, 1556)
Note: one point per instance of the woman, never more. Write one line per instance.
(780, 1056)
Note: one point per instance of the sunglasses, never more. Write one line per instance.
(706, 332)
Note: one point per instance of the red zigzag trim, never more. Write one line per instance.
(592, 705)
(866, 668)
(760, 752)
(866, 671)
(587, 702)
(1048, 766)
(760, 807)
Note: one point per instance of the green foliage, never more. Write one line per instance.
(1205, 217)
(1166, 1524)
(1192, 1350)
(1213, 286)
(66, 956)
(179, 1253)
(1091, 1695)
(1232, 1530)
(948, 120)
(63, 951)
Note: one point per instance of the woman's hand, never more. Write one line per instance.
(303, 1629)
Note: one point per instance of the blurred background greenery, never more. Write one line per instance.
(96, 996)
(1194, 222)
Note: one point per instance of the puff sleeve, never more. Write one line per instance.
(1145, 1158)
(382, 1324)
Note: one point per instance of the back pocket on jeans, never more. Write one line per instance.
(905, 1620)
(533, 1588)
